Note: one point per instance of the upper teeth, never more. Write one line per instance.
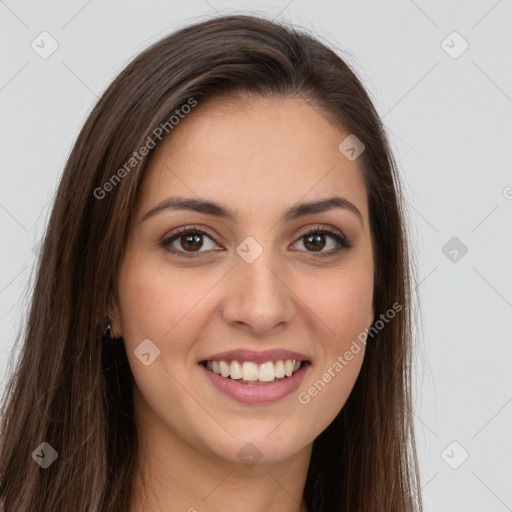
(248, 370)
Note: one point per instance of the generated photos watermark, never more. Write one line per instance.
(138, 156)
(304, 397)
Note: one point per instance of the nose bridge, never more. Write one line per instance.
(257, 294)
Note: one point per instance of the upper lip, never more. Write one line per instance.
(256, 356)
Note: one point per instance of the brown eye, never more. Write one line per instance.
(315, 242)
(191, 242)
(186, 242)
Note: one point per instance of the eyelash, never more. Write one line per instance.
(342, 242)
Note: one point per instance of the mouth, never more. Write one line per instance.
(254, 377)
(253, 373)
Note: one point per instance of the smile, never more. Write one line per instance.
(242, 383)
(249, 372)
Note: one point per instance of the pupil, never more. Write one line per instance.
(196, 244)
(316, 238)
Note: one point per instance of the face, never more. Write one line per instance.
(271, 282)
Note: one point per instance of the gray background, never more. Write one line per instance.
(448, 116)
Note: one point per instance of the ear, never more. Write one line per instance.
(114, 311)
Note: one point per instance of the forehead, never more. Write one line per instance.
(257, 155)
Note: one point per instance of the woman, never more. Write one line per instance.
(222, 311)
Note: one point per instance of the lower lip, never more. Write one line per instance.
(254, 393)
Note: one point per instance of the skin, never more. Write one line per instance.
(259, 157)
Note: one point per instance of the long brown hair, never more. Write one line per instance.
(74, 392)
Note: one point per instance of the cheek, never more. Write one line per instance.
(342, 310)
(157, 301)
(160, 304)
(342, 305)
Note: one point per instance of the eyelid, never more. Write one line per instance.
(323, 227)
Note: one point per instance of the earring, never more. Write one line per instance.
(108, 328)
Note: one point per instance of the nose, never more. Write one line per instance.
(257, 297)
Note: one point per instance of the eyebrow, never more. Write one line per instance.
(211, 208)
